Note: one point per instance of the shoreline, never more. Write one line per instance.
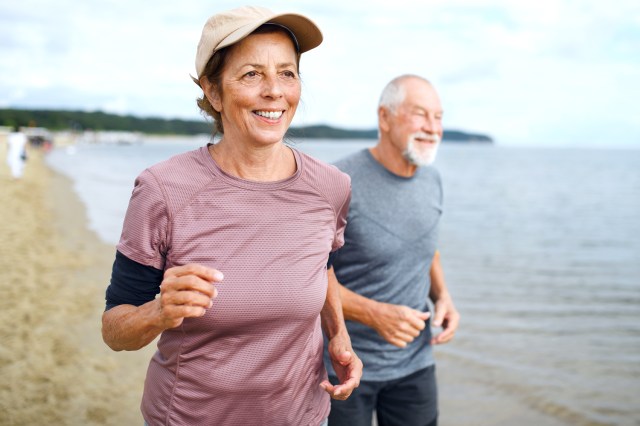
(55, 367)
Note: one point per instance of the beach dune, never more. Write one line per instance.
(54, 366)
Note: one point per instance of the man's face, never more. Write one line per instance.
(416, 124)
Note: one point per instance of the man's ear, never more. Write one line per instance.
(211, 92)
(383, 119)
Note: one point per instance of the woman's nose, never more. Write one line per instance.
(272, 87)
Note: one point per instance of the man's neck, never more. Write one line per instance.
(393, 160)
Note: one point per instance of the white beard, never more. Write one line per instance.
(421, 156)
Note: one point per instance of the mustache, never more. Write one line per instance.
(428, 136)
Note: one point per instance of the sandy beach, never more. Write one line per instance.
(54, 366)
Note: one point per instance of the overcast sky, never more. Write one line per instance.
(530, 72)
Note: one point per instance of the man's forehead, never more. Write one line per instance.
(420, 94)
(423, 104)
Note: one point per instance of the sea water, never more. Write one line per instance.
(540, 248)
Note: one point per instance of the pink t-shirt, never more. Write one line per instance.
(255, 357)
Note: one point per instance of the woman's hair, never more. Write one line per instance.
(215, 67)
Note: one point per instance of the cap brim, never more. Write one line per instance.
(307, 33)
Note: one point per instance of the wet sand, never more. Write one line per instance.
(474, 396)
(55, 369)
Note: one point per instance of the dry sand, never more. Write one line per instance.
(54, 367)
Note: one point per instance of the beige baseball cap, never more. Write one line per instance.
(227, 28)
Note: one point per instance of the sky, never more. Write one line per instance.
(559, 73)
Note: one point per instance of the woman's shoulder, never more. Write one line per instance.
(320, 171)
(180, 176)
(185, 162)
(326, 178)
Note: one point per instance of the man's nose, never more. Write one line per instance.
(430, 125)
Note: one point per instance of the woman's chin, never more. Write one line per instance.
(269, 137)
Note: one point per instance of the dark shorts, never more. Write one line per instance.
(408, 401)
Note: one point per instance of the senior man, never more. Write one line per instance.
(390, 265)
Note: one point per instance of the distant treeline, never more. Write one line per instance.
(100, 121)
(327, 132)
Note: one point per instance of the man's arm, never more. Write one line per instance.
(446, 314)
(397, 324)
(345, 362)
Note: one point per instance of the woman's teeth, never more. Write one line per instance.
(272, 115)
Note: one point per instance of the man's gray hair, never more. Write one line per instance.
(393, 94)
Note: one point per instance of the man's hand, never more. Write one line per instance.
(398, 324)
(186, 291)
(347, 366)
(447, 317)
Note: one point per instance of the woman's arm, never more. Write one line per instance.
(446, 314)
(186, 291)
(345, 362)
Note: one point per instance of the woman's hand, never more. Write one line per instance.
(347, 366)
(447, 317)
(186, 292)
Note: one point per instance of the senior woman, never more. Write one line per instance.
(244, 348)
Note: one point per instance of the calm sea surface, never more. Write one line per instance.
(541, 250)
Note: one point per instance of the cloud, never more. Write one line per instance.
(523, 72)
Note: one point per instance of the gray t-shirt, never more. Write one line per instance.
(390, 241)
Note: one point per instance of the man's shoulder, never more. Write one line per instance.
(354, 162)
(429, 173)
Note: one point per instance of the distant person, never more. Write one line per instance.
(16, 152)
(246, 348)
(390, 264)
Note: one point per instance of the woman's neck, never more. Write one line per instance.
(263, 164)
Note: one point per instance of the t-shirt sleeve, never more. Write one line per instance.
(144, 233)
(341, 216)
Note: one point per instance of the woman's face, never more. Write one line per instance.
(260, 89)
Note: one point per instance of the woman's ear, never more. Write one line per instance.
(211, 93)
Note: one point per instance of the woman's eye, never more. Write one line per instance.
(289, 74)
(251, 74)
